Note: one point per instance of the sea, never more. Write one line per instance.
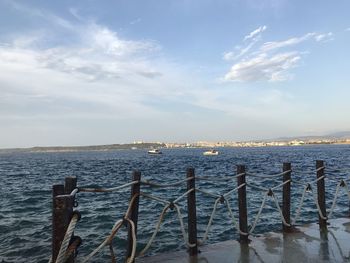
(27, 179)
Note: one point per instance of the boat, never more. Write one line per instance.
(154, 151)
(211, 152)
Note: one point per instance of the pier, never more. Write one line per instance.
(325, 240)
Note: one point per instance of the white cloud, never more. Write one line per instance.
(267, 62)
(255, 33)
(348, 29)
(324, 37)
(264, 67)
(239, 52)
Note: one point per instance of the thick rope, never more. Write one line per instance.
(154, 184)
(268, 176)
(296, 217)
(234, 221)
(115, 229)
(259, 213)
(155, 198)
(62, 257)
(183, 195)
(207, 193)
(182, 226)
(200, 242)
(150, 241)
(106, 190)
(280, 210)
(219, 178)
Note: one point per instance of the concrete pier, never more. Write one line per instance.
(307, 244)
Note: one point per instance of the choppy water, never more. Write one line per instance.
(26, 180)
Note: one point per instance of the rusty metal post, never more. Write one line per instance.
(61, 215)
(286, 197)
(135, 191)
(192, 213)
(242, 205)
(70, 183)
(321, 194)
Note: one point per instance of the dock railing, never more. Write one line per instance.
(64, 216)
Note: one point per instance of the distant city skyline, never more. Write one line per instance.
(103, 72)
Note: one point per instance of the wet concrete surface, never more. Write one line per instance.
(307, 244)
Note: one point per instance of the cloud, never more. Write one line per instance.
(263, 67)
(136, 21)
(348, 29)
(324, 37)
(82, 70)
(268, 62)
(253, 36)
(255, 33)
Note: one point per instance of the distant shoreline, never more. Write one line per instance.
(145, 146)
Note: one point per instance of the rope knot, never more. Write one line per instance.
(308, 187)
(222, 199)
(125, 221)
(342, 183)
(270, 193)
(171, 204)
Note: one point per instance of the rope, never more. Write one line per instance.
(269, 176)
(149, 183)
(335, 199)
(150, 241)
(280, 210)
(317, 205)
(210, 222)
(155, 198)
(207, 193)
(235, 189)
(106, 190)
(74, 192)
(183, 195)
(220, 178)
(234, 222)
(183, 227)
(281, 184)
(62, 257)
(306, 187)
(320, 168)
(259, 213)
(115, 229)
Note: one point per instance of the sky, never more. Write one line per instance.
(101, 72)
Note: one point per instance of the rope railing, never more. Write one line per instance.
(268, 176)
(67, 249)
(219, 178)
(106, 190)
(149, 183)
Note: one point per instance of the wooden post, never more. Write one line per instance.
(70, 184)
(57, 189)
(321, 195)
(242, 205)
(192, 213)
(286, 197)
(61, 215)
(135, 190)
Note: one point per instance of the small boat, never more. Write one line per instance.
(154, 151)
(211, 152)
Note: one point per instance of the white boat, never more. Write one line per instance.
(154, 151)
(211, 152)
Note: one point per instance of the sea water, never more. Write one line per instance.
(27, 179)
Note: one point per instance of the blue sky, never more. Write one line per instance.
(100, 72)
